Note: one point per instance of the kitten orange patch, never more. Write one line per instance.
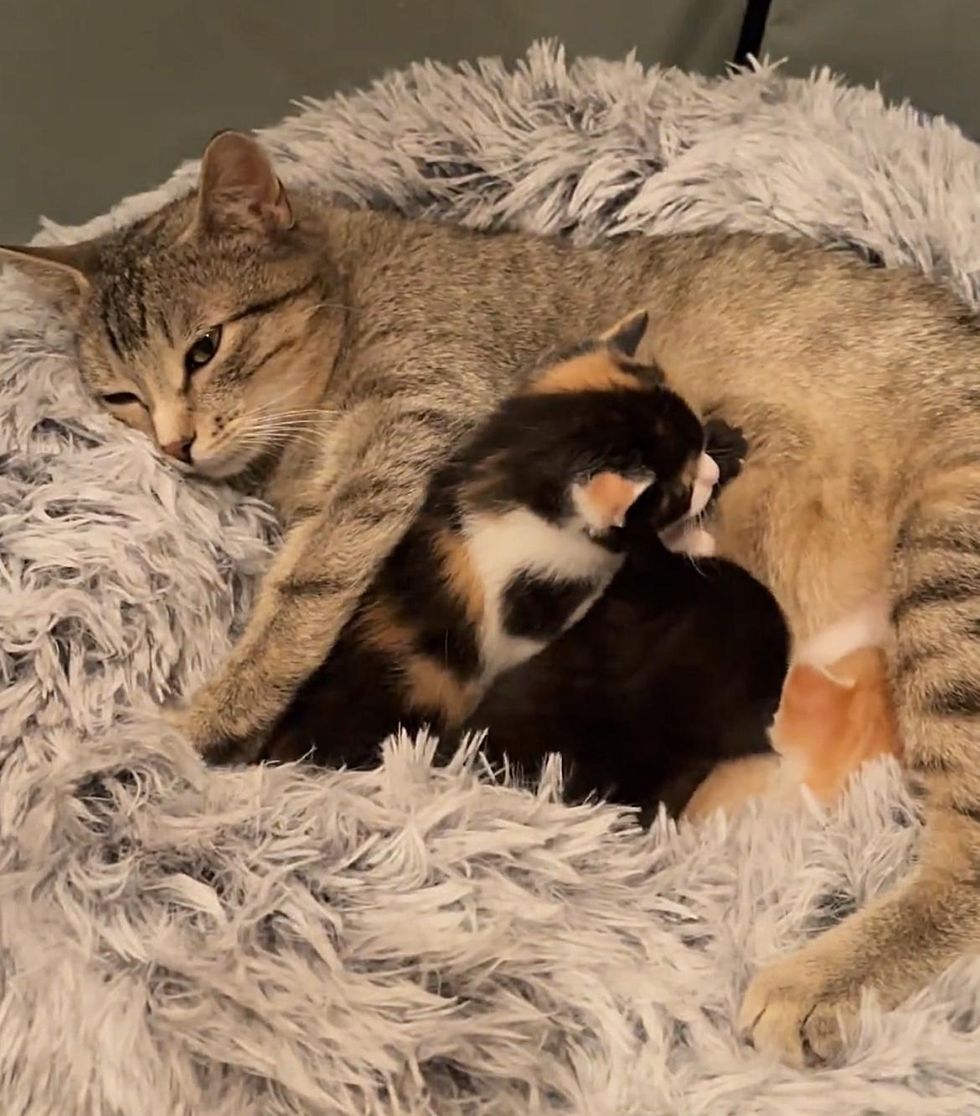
(427, 685)
(460, 574)
(432, 688)
(383, 632)
(832, 720)
(596, 371)
(732, 784)
(604, 500)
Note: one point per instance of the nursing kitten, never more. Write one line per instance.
(835, 714)
(520, 532)
(677, 667)
(220, 323)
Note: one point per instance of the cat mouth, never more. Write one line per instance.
(222, 465)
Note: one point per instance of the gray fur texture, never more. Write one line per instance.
(179, 941)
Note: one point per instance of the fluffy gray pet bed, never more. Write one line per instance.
(260, 943)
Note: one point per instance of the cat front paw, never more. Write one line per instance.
(798, 1010)
(209, 734)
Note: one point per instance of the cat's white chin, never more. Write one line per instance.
(219, 466)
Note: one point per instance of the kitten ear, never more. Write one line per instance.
(812, 690)
(238, 191)
(812, 710)
(63, 271)
(604, 500)
(627, 333)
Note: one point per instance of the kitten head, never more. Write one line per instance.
(594, 434)
(209, 325)
(831, 720)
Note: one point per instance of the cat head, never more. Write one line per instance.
(210, 326)
(595, 436)
(833, 719)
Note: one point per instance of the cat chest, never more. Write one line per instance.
(537, 579)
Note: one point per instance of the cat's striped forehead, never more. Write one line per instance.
(151, 291)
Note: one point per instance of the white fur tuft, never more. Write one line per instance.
(867, 626)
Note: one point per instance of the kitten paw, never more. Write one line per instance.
(728, 446)
(795, 1011)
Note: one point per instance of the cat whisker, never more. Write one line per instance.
(331, 305)
(297, 412)
(284, 433)
(291, 391)
(310, 419)
(274, 408)
(287, 426)
(271, 440)
(270, 424)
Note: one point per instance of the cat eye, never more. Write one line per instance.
(120, 398)
(203, 350)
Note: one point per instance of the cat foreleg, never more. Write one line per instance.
(313, 586)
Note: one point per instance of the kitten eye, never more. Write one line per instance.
(120, 398)
(203, 350)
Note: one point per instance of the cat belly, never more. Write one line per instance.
(823, 553)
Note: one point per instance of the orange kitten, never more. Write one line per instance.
(835, 714)
(833, 719)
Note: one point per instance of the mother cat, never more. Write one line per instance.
(216, 324)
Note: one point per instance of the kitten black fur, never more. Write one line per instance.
(677, 667)
(414, 623)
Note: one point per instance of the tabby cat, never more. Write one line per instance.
(519, 533)
(220, 322)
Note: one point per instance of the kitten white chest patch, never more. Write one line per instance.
(502, 546)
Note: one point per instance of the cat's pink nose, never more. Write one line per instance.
(179, 450)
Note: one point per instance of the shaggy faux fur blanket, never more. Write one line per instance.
(175, 940)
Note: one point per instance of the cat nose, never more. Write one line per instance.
(179, 450)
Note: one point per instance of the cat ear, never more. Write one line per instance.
(813, 708)
(63, 271)
(627, 333)
(238, 191)
(812, 690)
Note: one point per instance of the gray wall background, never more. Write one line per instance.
(100, 98)
(926, 51)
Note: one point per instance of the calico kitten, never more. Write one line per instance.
(521, 531)
(676, 668)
